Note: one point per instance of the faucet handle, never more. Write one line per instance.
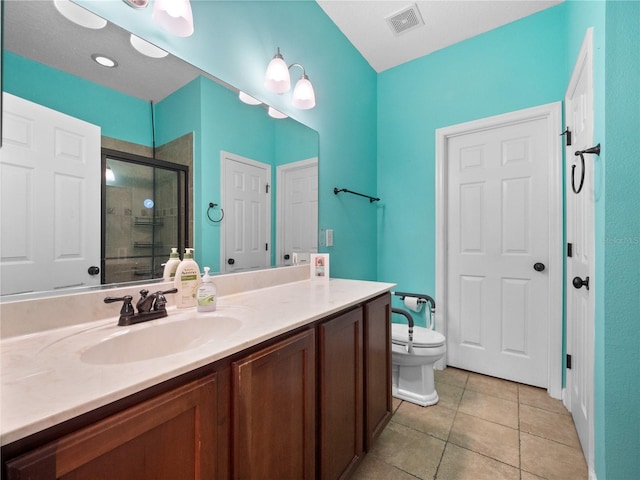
(161, 300)
(127, 307)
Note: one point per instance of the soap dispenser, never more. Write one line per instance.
(187, 281)
(207, 293)
(171, 266)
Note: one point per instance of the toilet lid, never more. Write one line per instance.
(422, 337)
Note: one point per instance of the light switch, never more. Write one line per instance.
(329, 239)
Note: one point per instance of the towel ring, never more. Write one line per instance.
(213, 205)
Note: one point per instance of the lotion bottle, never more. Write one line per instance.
(171, 266)
(187, 281)
(207, 293)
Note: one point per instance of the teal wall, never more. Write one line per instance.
(517, 66)
(239, 51)
(79, 98)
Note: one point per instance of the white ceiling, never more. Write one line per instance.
(446, 22)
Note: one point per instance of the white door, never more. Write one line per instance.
(297, 220)
(50, 174)
(246, 228)
(502, 222)
(580, 234)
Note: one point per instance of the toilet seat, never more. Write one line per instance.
(422, 337)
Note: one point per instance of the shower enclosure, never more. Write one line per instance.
(144, 214)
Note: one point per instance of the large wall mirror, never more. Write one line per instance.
(159, 108)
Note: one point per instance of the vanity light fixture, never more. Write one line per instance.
(146, 48)
(79, 15)
(175, 16)
(248, 99)
(273, 113)
(278, 80)
(104, 60)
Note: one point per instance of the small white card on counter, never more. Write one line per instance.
(319, 266)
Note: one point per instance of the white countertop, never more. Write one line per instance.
(44, 381)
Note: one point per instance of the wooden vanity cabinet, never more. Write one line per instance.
(377, 367)
(274, 411)
(306, 405)
(340, 379)
(172, 436)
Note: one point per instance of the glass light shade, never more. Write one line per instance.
(79, 15)
(174, 16)
(146, 48)
(303, 95)
(277, 78)
(248, 99)
(273, 113)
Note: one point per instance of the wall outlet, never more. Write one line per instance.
(329, 239)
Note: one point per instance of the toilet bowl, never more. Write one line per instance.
(412, 372)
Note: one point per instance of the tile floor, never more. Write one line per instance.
(482, 428)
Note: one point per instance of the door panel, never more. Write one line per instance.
(498, 228)
(50, 168)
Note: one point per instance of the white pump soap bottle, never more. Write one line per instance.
(207, 293)
(187, 281)
(171, 266)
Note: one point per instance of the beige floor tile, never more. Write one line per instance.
(529, 476)
(549, 425)
(409, 450)
(538, 397)
(434, 420)
(488, 438)
(449, 395)
(462, 464)
(551, 460)
(452, 376)
(372, 468)
(488, 407)
(493, 386)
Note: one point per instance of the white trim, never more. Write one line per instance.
(553, 113)
(281, 170)
(224, 156)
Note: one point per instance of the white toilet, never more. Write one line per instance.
(413, 362)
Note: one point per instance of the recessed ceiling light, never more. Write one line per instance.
(79, 15)
(104, 60)
(146, 48)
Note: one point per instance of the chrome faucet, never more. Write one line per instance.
(149, 306)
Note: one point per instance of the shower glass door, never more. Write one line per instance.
(144, 216)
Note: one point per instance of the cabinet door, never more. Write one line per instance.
(341, 409)
(274, 411)
(172, 436)
(377, 364)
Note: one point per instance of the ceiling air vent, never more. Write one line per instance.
(405, 20)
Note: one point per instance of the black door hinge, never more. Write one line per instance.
(568, 361)
(567, 133)
(266, 247)
(569, 250)
(267, 188)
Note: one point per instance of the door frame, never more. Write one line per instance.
(224, 157)
(584, 62)
(552, 112)
(281, 172)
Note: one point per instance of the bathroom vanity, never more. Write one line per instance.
(300, 387)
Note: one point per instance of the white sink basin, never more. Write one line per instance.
(154, 340)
